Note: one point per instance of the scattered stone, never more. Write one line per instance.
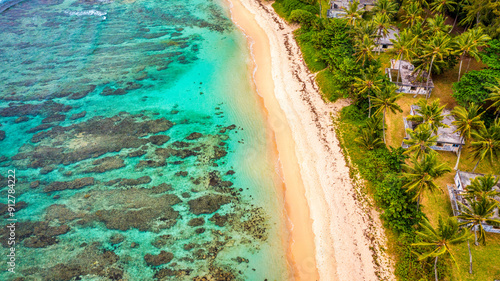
(200, 230)
(134, 245)
(218, 219)
(181, 174)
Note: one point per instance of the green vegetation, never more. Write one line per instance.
(445, 40)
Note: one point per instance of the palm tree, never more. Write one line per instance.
(482, 188)
(369, 139)
(422, 173)
(368, 83)
(437, 24)
(412, 13)
(362, 28)
(468, 43)
(382, 23)
(403, 46)
(365, 48)
(420, 141)
(386, 100)
(386, 7)
(477, 213)
(438, 47)
(486, 144)
(442, 6)
(429, 113)
(495, 98)
(352, 12)
(467, 120)
(441, 239)
(476, 9)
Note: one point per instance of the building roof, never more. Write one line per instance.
(367, 2)
(408, 76)
(445, 135)
(467, 177)
(391, 34)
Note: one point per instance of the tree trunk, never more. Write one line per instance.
(458, 159)
(429, 77)
(399, 70)
(468, 64)
(460, 68)
(369, 107)
(383, 127)
(476, 165)
(475, 236)
(456, 17)
(470, 257)
(435, 268)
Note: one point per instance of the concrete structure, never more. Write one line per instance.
(462, 180)
(409, 81)
(447, 139)
(337, 7)
(385, 43)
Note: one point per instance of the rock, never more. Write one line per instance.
(196, 222)
(161, 241)
(230, 172)
(194, 136)
(35, 184)
(136, 153)
(219, 220)
(112, 92)
(106, 164)
(21, 119)
(156, 260)
(47, 169)
(141, 180)
(181, 174)
(207, 204)
(159, 139)
(78, 115)
(58, 213)
(74, 184)
(200, 230)
(189, 246)
(2, 135)
(40, 127)
(134, 245)
(116, 238)
(161, 188)
(4, 208)
(54, 118)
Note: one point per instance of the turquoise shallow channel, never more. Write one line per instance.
(140, 149)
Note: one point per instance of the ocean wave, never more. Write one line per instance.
(87, 13)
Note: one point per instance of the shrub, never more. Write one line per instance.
(472, 86)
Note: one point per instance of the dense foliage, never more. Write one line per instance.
(472, 86)
(382, 169)
(491, 54)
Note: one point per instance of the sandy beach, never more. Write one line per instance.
(333, 232)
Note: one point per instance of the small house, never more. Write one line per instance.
(409, 81)
(384, 42)
(462, 180)
(337, 7)
(447, 140)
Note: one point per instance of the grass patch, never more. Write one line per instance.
(326, 85)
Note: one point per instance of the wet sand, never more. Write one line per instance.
(333, 232)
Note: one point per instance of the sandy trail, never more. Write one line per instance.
(334, 234)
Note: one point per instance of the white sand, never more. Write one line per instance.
(347, 233)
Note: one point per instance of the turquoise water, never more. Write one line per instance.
(139, 146)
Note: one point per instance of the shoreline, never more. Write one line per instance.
(300, 256)
(334, 233)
